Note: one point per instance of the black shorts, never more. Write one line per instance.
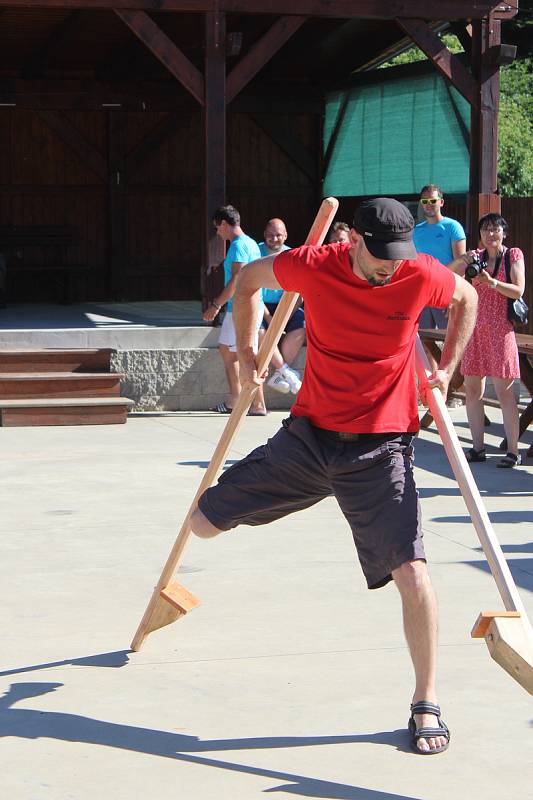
(371, 478)
(295, 321)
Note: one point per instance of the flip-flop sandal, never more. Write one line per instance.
(509, 461)
(257, 413)
(423, 707)
(474, 455)
(426, 421)
(221, 408)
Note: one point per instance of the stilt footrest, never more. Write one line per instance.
(485, 618)
(509, 639)
(179, 597)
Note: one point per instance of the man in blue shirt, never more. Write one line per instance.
(444, 239)
(242, 250)
(438, 236)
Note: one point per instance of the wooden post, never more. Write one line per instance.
(214, 140)
(482, 196)
(116, 254)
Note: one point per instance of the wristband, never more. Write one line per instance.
(494, 284)
(215, 305)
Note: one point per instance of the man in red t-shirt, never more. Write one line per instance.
(351, 428)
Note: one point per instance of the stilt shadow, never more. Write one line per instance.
(118, 658)
(27, 723)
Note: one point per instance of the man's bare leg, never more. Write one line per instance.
(201, 526)
(420, 625)
(475, 409)
(291, 344)
(231, 366)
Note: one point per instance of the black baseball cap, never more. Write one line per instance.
(386, 227)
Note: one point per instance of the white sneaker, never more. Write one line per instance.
(292, 378)
(278, 382)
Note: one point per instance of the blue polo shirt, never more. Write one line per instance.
(243, 249)
(436, 240)
(271, 295)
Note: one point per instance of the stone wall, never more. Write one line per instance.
(182, 379)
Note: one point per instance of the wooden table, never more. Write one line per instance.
(525, 353)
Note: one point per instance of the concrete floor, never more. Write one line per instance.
(290, 678)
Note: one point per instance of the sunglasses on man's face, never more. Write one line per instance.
(430, 201)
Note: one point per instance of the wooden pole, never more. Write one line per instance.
(508, 634)
(170, 600)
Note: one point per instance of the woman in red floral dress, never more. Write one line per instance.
(492, 349)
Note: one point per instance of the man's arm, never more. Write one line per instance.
(226, 293)
(458, 249)
(461, 321)
(246, 302)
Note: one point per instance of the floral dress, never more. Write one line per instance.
(492, 348)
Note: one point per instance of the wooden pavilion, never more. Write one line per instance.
(124, 123)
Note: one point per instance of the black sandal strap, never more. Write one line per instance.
(431, 733)
(425, 707)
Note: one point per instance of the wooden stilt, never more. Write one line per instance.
(169, 603)
(508, 633)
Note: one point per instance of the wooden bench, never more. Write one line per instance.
(19, 245)
(525, 352)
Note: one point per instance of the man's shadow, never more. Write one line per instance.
(34, 724)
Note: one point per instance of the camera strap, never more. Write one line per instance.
(507, 264)
(496, 263)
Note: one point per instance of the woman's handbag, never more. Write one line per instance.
(517, 310)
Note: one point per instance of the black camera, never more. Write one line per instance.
(474, 268)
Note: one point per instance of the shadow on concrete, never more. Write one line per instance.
(118, 658)
(515, 548)
(204, 464)
(496, 517)
(34, 724)
(491, 481)
(521, 570)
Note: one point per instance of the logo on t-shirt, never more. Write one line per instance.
(399, 315)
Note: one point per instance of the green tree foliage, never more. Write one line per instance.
(515, 150)
(515, 141)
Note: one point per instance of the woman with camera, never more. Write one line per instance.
(492, 351)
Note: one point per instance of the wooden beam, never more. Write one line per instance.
(150, 143)
(447, 63)
(214, 139)
(483, 190)
(117, 237)
(341, 113)
(35, 65)
(261, 52)
(464, 34)
(70, 135)
(142, 96)
(165, 50)
(281, 134)
(367, 9)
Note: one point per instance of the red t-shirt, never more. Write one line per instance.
(360, 370)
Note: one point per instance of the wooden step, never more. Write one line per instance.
(55, 360)
(59, 384)
(64, 411)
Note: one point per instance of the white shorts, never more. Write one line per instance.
(228, 336)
